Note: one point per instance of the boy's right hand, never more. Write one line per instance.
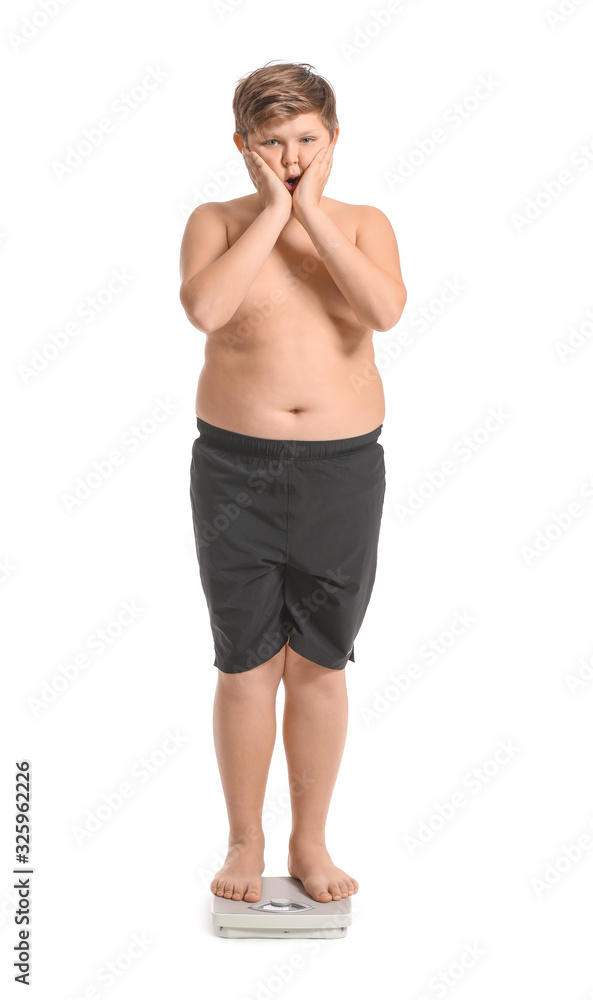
(271, 189)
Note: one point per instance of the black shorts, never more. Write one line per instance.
(286, 537)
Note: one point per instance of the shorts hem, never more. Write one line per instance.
(243, 670)
(308, 654)
(311, 655)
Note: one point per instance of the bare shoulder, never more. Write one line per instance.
(207, 211)
(205, 220)
(235, 208)
(205, 239)
(360, 218)
(376, 238)
(369, 218)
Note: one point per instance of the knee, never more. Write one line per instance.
(300, 672)
(265, 677)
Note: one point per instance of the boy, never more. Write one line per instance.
(287, 475)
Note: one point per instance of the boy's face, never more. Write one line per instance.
(289, 146)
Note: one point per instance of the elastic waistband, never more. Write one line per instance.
(289, 450)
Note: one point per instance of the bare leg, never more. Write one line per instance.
(314, 730)
(244, 735)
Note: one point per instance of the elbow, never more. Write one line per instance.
(196, 316)
(391, 319)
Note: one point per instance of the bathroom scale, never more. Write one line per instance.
(284, 910)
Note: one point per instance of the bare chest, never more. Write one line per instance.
(294, 284)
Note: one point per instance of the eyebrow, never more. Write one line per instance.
(311, 131)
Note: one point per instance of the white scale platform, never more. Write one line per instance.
(284, 910)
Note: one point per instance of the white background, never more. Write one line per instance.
(494, 875)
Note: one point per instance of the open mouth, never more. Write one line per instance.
(292, 182)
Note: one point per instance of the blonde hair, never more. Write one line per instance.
(282, 92)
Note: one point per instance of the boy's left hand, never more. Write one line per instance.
(308, 191)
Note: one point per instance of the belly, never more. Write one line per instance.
(297, 387)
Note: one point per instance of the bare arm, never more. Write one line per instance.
(214, 278)
(367, 272)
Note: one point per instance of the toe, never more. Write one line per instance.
(335, 890)
(320, 893)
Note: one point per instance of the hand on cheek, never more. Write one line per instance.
(309, 189)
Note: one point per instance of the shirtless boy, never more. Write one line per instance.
(287, 475)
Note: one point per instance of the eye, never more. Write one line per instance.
(306, 139)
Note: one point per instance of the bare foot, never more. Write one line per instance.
(312, 865)
(240, 875)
